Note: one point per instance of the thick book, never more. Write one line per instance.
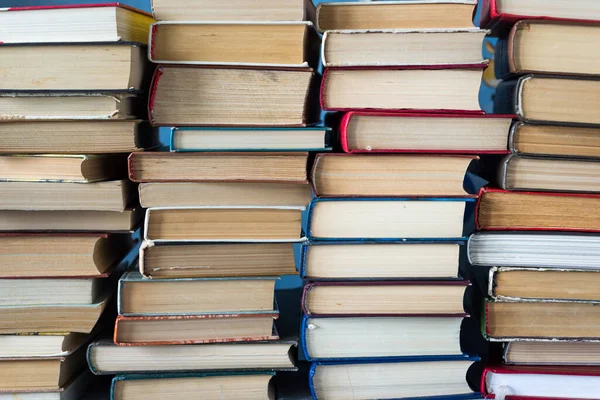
(554, 140)
(502, 14)
(550, 99)
(39, 344)
(440, 379)
(75, 137)
(72, 390)
(52, 291)
(260, 44)
(402, 47)
(139, 296)
(283, 167)
(369, 132)
(72, 221)
(535, 249)
(175, 259)
(233, 10)
(106, 358)
(60, 255)
(541, 383)
(389, 219)
(90, 66)
(507, 321)
(193, 194)
(219, 96)
(420, 14)
(547, 47)
(225, 224)
(104, 22)
(371, 260)
(113, 196)
(385, 299)
(48, 105)
(368, 338)
(449, 88)
(504, 210)
(194, 329)
(254, 385)
(543, 285)
(195, 139)
(552, 353)
(549, 174)
(389, 175)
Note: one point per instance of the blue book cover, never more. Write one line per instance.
(207, 139)
(390, 219)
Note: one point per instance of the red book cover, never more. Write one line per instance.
(348, 117)
(310, 286)
(122, 319)
(485, 190)
(325, 107)
(538, 370)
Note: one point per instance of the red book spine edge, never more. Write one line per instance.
(344, 132)
(153, 89)
(130, 170)
(151, 41)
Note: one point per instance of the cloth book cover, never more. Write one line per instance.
(323, 101)
(348, 117)
(469, 223)
(310, 286)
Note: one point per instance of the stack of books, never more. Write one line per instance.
(68, 95)
(224, 206)
(386, 298)
(539, 232)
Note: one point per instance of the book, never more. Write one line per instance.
(509, 321)
(106, 358)
(362, 132)
(139, 296)
(548, 99)
(79, 318)
(343, 175)
(443, 379)
(549, 383)
(548, 47)
(395, 15)
(108, 22)
(194, 194)
(250, 139)
(219, 96)
(89, 66)
(219, 167)
(534, 173)
(74, 137)
(360, 260)
(507, 210)
(167, 260)
(49, 105)
(388, 219)
(72, 390)
(275, 44)
(194, 329)
(60, 255)
(254, 386)
(224, 224)
(402, 47)
(543, 284)
(554, 140)
(78, 221)
(47, 291)
(530, 249)
(236, 10)
(113, 196)
(551, 353)
(414, 298)
(40, 344)
(504, 13)
(367, 338)
(450, 88)
(62, 168)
